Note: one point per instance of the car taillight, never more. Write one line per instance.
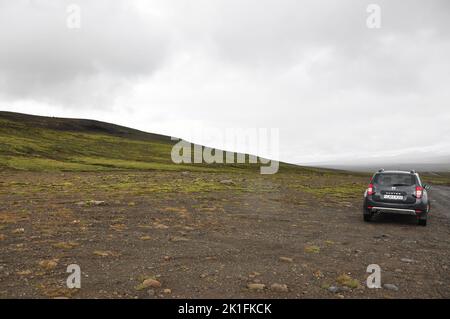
(419, 192)
(370, 189)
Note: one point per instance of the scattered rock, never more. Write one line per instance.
(18, 231)
(2, 237)
(287, 259)
(49, 264)
(97, 203)
(148, 283)
(145, 238)
(390, 287)
(167, 291)
(24, 272)
(211, 258)
(151, 292)
(318, 274)
(118, 227)
(409, 242)
(407, 260)
(227, 182)
(345, 288)
(279, 287)
(256, 286)
(160, 226)
(254, 274)
(333, 289)
(103, 253)
(398, 270)
(92, 203)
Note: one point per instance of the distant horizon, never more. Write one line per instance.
(371, 167)
(440, 163)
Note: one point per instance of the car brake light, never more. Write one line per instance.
(419, 192)
(370, 189)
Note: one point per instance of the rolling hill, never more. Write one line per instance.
(38, 143)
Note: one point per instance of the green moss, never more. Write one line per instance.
(27, 147)
(332, 191)
(325, 286)
(346, 280)
(42, 164)
(436, 179)
(312, 249)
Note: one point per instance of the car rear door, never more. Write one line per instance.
(395, 188)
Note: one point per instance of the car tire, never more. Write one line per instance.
(422, 222)
(367, 217)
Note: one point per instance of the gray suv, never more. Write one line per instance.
(397, 192)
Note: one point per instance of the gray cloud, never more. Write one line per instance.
(335, 88)
(42, 59)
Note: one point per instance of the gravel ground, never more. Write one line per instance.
(267, 239)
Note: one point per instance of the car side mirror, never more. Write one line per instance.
(426, 186)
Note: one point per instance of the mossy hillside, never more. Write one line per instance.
(27, 147)
(33, 144)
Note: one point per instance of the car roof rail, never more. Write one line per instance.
(412, 171)
(381, 170)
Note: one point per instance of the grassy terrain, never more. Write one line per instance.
(24, 146)
(32, 145)
(42, 144)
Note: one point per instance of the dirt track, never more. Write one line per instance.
(441, 200)
(209, 244)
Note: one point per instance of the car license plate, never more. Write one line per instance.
(396, 197)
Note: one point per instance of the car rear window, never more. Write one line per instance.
(394, 179)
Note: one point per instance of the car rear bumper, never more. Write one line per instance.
(418, 209)
(402, 211)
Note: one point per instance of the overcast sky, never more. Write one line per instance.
(336, 89)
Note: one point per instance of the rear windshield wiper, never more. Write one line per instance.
(401, 185)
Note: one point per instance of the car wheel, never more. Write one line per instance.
(367, 217)
(422, 222)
